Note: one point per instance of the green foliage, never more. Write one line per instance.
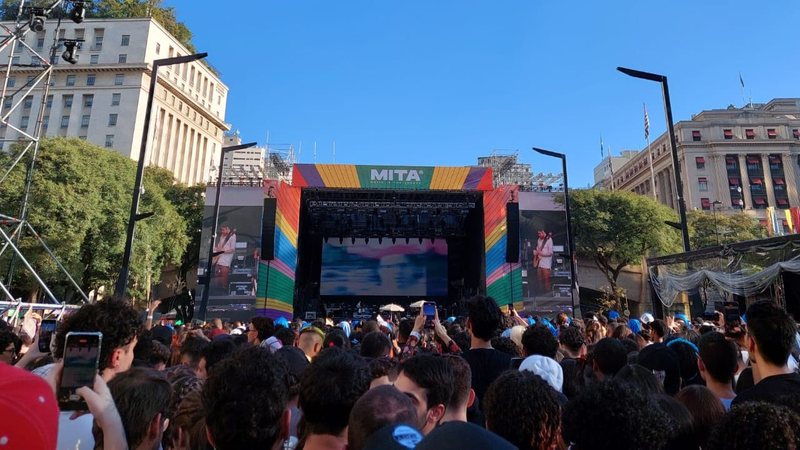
(79, 204)
(616, 229)
(707, 229)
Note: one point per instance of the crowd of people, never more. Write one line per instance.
(490, 379)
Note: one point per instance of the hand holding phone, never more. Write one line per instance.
(429, 310)
(46, 330)
(81, 362)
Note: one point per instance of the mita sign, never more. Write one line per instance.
(394, 174)
(394, 177)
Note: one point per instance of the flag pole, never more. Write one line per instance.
(650, 152)
(611, 167)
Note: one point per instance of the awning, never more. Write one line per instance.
(755, 180)
(760, 201)
(779, 181)
(700, 160)
(753, 160)
(734, 181)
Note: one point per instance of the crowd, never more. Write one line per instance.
(489, 380)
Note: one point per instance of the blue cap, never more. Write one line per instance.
(682, 317)
(506, 333)
(531, 322)
(550, 327)
(451, 319)
(613, 315)
(282, 322)
(635, 325)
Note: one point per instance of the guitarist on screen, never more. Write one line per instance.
(225, 246)
(543, 259)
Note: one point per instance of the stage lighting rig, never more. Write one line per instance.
(71, 46)
(78, 12)
(38, 16)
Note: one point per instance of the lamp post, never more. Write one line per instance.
(201, 315)
(675, 163)
(570, 238)
(122, 280)
(714, 206)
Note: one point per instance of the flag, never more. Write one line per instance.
(601, 147)
(646, 123)
(741, 80)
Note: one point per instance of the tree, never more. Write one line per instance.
(79, 204)
(616, 229)
(144, 8)
(708, 229)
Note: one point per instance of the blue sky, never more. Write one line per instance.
(441, 82)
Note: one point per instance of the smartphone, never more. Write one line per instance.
(81, 358)
(429, 310)
(46, 330)
(516, 362)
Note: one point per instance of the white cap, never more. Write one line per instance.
(545, 367)
(647, 318)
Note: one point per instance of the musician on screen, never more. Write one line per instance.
(543, 259)
(224, 248)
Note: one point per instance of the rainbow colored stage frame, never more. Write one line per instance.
(276, 277)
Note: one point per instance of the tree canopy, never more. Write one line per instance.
(79, 204)
(616, 229)
(709, 229)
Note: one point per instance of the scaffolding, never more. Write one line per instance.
(40, 70)
(507, 170)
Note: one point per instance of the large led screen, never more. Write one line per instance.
(384, 268)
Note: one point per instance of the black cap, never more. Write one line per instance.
(660, 358)
(394, 437)
(463, 435)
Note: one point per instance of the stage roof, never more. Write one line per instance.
(350, 176)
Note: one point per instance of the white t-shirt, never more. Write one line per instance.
(226, 258)
(545, 253)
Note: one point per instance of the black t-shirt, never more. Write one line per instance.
(770, 389)
(486, 364)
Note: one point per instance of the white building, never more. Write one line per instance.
(102, 98)
(610, 165)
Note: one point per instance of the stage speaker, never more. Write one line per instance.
(512, 232)
(268, 228)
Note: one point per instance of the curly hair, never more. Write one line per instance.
(594, 332)
(572, 338)
(539, 340)
(244, 399)
(610, 356)
(115, 318)
(610, 408)
(383, 367)
(522, 408)
(506, 345)
(329, 388)
(484, 317)
(641, 378)
(756, 425)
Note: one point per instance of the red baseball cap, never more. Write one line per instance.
(31, 402)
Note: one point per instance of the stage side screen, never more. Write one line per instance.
(546, 271)
(384, 268)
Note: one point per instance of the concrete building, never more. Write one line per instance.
(745, 158)
(611, 164)
(102, 98)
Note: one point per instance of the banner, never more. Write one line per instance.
(392, 177)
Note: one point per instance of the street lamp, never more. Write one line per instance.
(570, 238)
(714, 206)
(675, 163)
(122, 280)
(207, 275)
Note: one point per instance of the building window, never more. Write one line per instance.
(7, 102)
(696, 135)
(109, 140)
(705, 203)
(158, 48)
(39, 43)
(12, 81)
(126, 40)
(700, 162)
(67, 101)
(94, 59)
(45, 122)
(727, 134)
(119, 79)
(85, 121)
(750, 133)
(70, 80)
(115, 98)
(23, 123)
(123, 58)
(702, 184)
(771, 133)
(15, 60)
(112, 120)
(50, 101)
(90, 79)
(88, 100)
(65, 123)
(98, 42)
(28, 102)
